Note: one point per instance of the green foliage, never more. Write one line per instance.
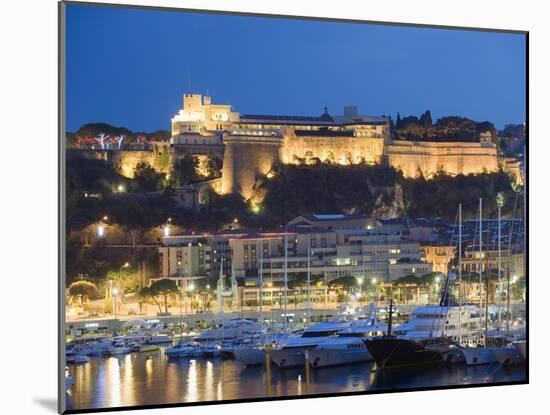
(163, 287)
(214, 167)
(83, 289)
(147, 178)
(450, 128)
(425, 280)
(440, 196)
(345, 282)
(184, 170)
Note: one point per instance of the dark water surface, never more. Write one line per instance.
(154, 379)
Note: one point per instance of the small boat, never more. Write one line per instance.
(149, 348)
(184, 349)
(77, 359)
(118, 347)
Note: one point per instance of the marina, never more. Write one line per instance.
(149, 379)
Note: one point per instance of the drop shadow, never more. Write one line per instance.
(48, 403)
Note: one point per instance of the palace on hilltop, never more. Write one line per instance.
(251, 144)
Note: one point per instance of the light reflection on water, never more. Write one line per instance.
(148, 379)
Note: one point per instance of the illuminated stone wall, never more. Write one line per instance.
(245, 159)
(429, 157)
(341, 150)
(125, 161)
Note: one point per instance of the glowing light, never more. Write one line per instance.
(360, 280)
(100, 231)
(119, 139)
(437, 279)
(102, 140)
(126, 265)
(105, 217)
(166, 230)
(115, 291)
(374, 280)
(256, 208)
(191, 287)
(120, 188)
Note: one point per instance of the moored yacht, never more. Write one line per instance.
(228, 331)
(347, 347)
(184, 349)
(291, 353)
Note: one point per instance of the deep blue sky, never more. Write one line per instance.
(130, 67)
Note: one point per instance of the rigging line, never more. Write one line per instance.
(510, 235)
(443, 297)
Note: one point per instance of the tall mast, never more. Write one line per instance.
(460, 274)
(261, 276)
(309, 281)
(499, 205)
(286, 277)
(480, 263)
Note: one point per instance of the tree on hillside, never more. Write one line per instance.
(214, 167)
(164, 288)
(83, 290)
(147, 178)
(185, 171)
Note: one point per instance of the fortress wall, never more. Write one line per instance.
(453, 158)
(125, 161)
(343, 150)
(245, 159)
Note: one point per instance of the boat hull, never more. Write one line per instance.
(336, 357)
(479, 356)
(390, 352)
(250, 356)
(508, 356)
(290, 357)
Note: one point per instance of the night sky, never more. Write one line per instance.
(130, 67)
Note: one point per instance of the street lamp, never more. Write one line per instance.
(125, 265)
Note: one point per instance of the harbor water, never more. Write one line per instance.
(155, 379)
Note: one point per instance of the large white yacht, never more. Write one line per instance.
(435, 321)
(348, 345)
(292, 352)
(229, 331)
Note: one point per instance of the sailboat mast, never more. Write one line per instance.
(480, 263)
(460, 274)
(498, 267)
(309, 282)
(286, 278)
(261, 277)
